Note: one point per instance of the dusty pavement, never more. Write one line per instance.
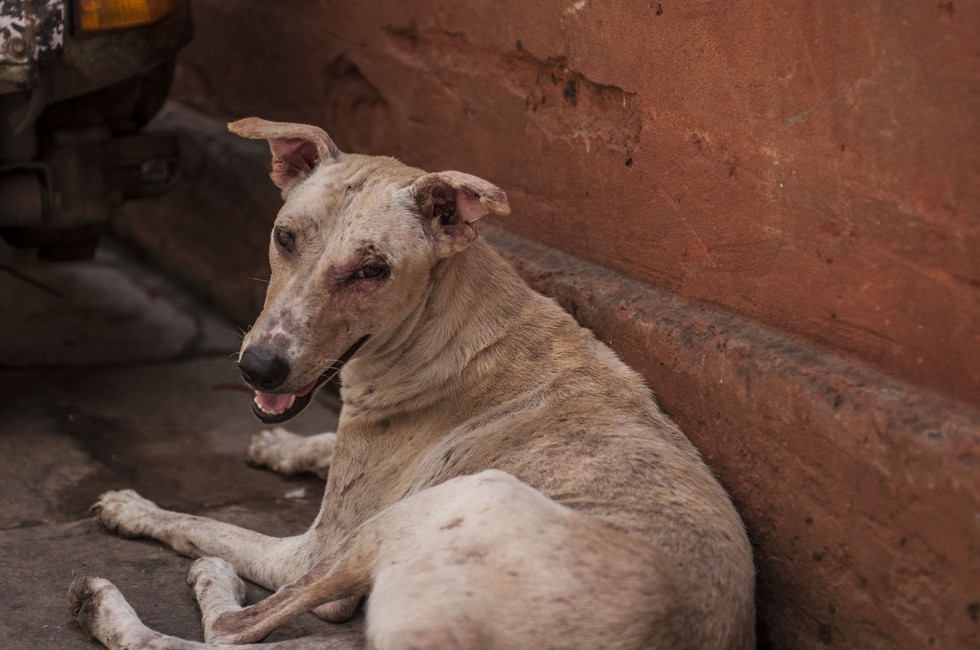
(111, 377)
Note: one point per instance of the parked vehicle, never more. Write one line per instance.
(78, 80)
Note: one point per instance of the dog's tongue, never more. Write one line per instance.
(278, 403)
(274, 403)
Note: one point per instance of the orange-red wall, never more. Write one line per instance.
(810, 169)
(814, 166)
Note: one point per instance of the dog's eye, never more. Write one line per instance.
(284, 238)
(370, 271)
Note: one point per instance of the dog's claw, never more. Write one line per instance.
(78, 593)
(85, 601)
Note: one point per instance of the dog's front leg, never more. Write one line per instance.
(267, 561)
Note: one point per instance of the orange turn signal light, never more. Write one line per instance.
(103, 15)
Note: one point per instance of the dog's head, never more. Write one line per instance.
(352, 251)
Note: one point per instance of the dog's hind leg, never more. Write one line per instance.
(217, 589)
(438, 561)
(103, 613)
(343, 578)
(288, 453)
(391, 543)
(267, 561)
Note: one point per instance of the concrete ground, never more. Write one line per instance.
(110, 378)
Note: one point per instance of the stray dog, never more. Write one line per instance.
(498, 479)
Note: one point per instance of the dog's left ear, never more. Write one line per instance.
(450, 202)
(296, 148)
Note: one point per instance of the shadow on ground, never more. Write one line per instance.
(111, 377)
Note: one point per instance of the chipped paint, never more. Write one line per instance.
(31, 31)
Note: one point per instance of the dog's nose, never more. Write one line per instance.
(262, 368)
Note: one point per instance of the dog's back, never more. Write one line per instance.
(517, 385)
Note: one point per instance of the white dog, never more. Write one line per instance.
(499, 478)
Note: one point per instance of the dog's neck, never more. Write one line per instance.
(472, 303)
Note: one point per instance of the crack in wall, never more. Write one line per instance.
(563, 103)
(849, 95)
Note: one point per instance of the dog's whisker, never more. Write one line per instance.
(237, 331)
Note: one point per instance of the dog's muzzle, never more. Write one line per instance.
(273, 408)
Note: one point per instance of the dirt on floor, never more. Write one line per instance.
(113, 378)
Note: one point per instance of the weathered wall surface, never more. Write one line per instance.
(860, 492)
(790, 198)
(814, 166)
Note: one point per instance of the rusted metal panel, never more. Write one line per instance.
(31, 32)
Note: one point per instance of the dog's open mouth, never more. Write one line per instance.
(273, 408)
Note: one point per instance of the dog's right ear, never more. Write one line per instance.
(451, 202)
(296, 148)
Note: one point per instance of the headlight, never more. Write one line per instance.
(102, 15)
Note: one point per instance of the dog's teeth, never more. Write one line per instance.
(289, 405)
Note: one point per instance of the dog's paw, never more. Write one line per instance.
(268, 449)
(103, 613)
(208, 572)
(124, 512)
(83, 591)
(92, 601)
(279, 450)
(217, 590)
(205, 568)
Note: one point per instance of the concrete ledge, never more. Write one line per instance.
(861, 493)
